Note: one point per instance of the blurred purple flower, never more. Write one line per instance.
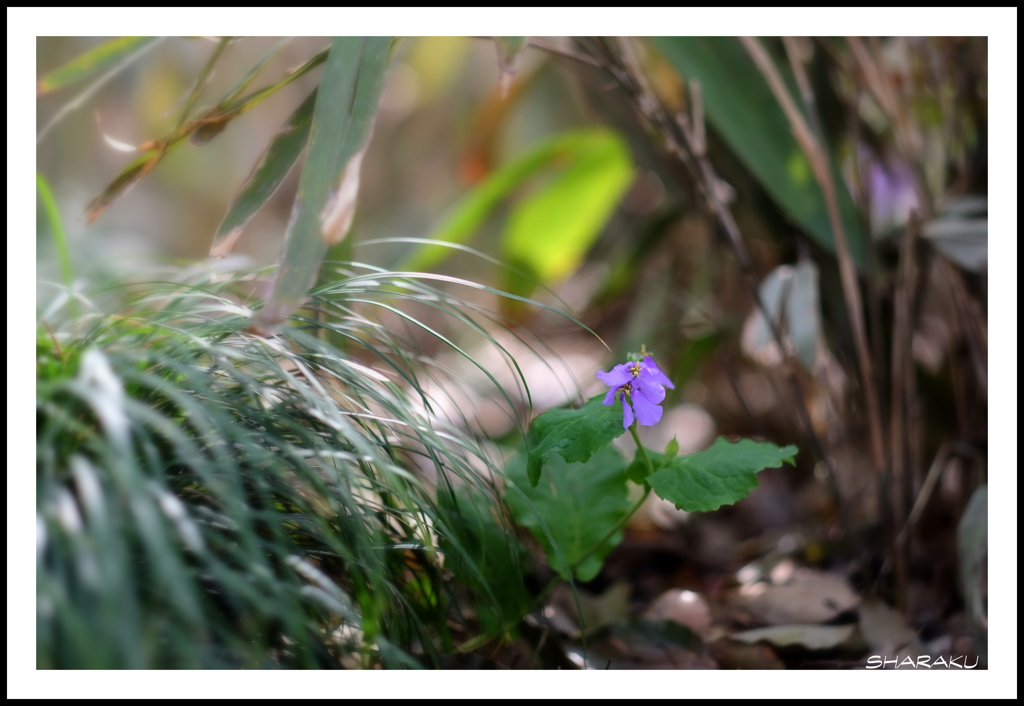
(640, 386)
(890, 186)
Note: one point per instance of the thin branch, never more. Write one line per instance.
(565, 53)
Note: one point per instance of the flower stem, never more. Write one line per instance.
(641, 450)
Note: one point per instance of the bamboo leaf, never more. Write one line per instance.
(274, 165)
(246, 80)
(217, 118)
(123, 182)
(204, 78)
(346, 106)
(91, 62)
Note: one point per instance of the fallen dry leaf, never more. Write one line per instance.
(813, 637)
(684, 607)
(809, 597)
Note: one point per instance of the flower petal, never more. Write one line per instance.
(627, 413)
(610, 397)
(654, 392)
(652, 373)
(647, 412)
(618, 376)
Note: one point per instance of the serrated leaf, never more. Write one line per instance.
(576, 434)
(720, 475)
(577, 505)
(274, 165)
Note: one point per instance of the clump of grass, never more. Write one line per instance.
(208, 498)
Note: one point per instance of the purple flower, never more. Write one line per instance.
(640, 386)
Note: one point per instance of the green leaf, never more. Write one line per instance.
(91, 62)
(211, 124)
(246, 80)
(275, 163)
(577, 506)
(597, 168)
(741, 107)
(53, 216)
(204, 78)
(550, 232)
(576, 434)
(720, 475)
(346, 106)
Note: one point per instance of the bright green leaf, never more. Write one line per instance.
(596, 170)
(740, 105)
(549, 232)
(576, 434)
(577, 505)
(720, 475)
